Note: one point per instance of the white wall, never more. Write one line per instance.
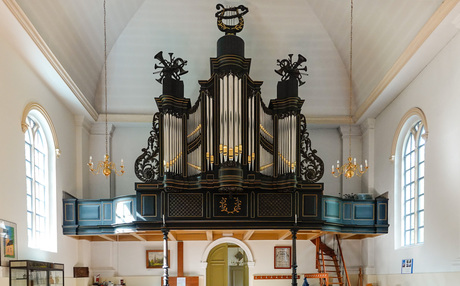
(327, 141)
(19, 85)
(128, 141)
(127, 259)
(436, 92)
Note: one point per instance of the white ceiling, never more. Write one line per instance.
(383, 32)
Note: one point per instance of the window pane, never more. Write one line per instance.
(407, 178)
(421, 219)
(407, 238)
(422, 132)
(421, 153)
(421, 170)
(421, 235)
(421, 202)
(407, 193)
(28, 151)
(407, 208)
(29, 169)
(29, 203)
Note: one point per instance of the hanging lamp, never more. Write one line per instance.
(105, 166)
(350, 168)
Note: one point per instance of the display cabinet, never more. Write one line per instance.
(36, 273)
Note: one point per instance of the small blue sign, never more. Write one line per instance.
(407, 266)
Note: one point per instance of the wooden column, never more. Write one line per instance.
(165, 257)
(294, 257)
(180, 259)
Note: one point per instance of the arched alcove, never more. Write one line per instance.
(238, 242)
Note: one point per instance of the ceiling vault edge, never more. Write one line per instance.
(444, 9)
(46, 51)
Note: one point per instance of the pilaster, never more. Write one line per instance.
(368, 139)
(82, 129)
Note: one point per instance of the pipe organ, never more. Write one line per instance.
(230, 139)
(229, 161)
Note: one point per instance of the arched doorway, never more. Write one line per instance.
(227, 265)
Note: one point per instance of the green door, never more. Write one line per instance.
(217, 270)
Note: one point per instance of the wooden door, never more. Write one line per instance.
(217, 270)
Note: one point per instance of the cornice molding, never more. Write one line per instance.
(335, 120)
(22, 18)
(444, 9)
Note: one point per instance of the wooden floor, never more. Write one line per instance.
(211, 235)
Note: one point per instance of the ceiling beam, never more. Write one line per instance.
(209, 235)
(285, 235)
(138, 236)
(106, 237)
(171, 236)
(248, 234)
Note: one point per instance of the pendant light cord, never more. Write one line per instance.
(351, 78)
(105, 81)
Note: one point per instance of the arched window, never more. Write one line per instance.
(36, 149)
(409, 155)
(413, 191)
(40, 177)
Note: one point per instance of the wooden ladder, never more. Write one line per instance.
(327, 261)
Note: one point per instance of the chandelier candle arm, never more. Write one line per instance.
(106, 167)
(348, 170)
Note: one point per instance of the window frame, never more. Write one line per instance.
(43, 126)
(412, 190)
(409, 120)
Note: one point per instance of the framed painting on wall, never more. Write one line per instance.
(9, 245)
(282, 257)
(154, 258)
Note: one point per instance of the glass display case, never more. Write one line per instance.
(36, 273)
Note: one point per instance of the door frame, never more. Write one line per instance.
(251, 263)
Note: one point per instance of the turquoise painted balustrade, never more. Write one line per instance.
(105, 216)
(355, 215)
(315, 211)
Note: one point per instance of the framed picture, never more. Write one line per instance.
(154, 258)
(282, 257)
(8, 241)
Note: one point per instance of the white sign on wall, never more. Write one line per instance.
(407, 266)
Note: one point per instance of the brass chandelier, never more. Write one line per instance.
(350, 169)
(106, 166)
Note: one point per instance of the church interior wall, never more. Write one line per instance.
(435, 91)
(437, 261)
(19, 86)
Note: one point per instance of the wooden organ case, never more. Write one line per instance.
(229, 161)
